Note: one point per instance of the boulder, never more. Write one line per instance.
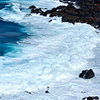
(87, 74)
(32, 7)
(91, 98)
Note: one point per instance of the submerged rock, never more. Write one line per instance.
(87, 74)
(28, 92)
(52, 20)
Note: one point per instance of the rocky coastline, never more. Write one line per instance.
(88, 12)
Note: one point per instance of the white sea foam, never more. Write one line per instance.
(53, 55)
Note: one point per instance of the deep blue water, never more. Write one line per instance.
(10, 33)
(2, 5)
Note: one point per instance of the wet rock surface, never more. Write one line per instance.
(91, 98)
(89, 12)
(87, 74)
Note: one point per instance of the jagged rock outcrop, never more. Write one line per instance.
(89, 12)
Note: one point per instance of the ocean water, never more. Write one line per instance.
(36, 54)
(10, 32)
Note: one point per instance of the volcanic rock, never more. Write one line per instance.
(32, 7)
(89, 12)
(87, 74)
(91, 98)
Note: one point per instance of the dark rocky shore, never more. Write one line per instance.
(88, 12)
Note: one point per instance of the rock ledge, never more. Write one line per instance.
(89, 12)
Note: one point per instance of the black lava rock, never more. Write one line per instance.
(89, 12)
(47, 91)
(87, 74)
(91, 98)
(32, 7)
